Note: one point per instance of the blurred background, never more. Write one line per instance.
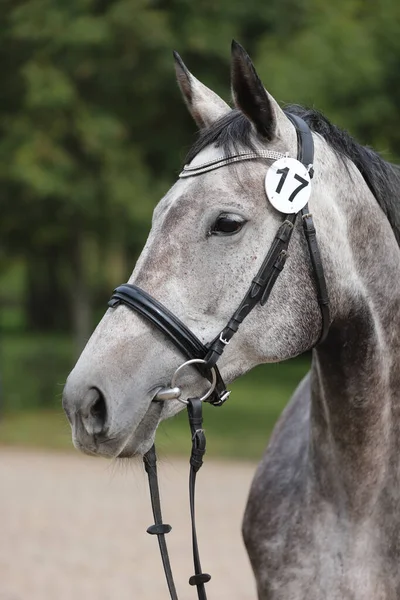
(92, 134)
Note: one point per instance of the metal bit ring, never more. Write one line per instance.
(194, 361)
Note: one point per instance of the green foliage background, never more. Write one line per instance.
(93, 131)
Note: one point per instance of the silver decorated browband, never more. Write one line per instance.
(190, 171)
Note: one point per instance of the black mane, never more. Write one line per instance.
(234, 131)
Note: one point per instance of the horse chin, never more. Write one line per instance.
(136, 451)
(137, 448)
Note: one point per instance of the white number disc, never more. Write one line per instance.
(288, 185)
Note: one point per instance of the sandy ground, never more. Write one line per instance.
(73, 527)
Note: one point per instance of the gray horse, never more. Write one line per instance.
(323, 519)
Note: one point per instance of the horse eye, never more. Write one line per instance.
(227, 225)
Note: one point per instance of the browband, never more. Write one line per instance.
(191, 170)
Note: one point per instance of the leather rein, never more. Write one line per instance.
(204, 357)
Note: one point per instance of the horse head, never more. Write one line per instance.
(209, 237)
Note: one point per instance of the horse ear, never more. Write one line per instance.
(204, 105)
(250, 96)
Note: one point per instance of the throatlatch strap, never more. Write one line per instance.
(319, 276)
(159, 528)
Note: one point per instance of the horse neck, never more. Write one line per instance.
(355, 375)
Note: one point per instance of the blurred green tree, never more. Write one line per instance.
(92, 128)
(344, 61)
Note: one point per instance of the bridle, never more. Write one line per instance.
(205, 357)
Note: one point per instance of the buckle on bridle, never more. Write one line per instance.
(223, 340)
(222, 399)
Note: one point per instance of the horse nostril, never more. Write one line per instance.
(98, 410)
(94, 412)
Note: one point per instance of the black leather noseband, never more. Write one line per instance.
(192, 348)
(173, 328)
